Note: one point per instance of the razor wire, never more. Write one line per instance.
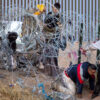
(34, 35)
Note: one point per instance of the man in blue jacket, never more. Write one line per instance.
(73, 78)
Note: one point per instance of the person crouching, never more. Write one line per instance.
(72, 80)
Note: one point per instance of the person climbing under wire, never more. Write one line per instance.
(73, 78)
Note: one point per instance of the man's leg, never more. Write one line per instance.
(56, 61)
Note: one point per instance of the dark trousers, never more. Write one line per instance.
(51, 66)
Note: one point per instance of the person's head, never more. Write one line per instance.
(56, 7)
(92, 69)
(12, 36)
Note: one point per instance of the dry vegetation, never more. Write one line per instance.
(17, 93)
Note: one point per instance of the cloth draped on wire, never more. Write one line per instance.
(52, 34)
(74, 74)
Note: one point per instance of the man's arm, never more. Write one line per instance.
(79, 88)
(92, 82)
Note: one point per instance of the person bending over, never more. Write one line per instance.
(72, 79)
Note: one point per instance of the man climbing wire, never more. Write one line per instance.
(52, 32)
(73, 78)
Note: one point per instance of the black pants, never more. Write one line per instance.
(51, 66)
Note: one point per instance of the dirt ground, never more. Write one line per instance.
(8, 92)
(11, 90)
